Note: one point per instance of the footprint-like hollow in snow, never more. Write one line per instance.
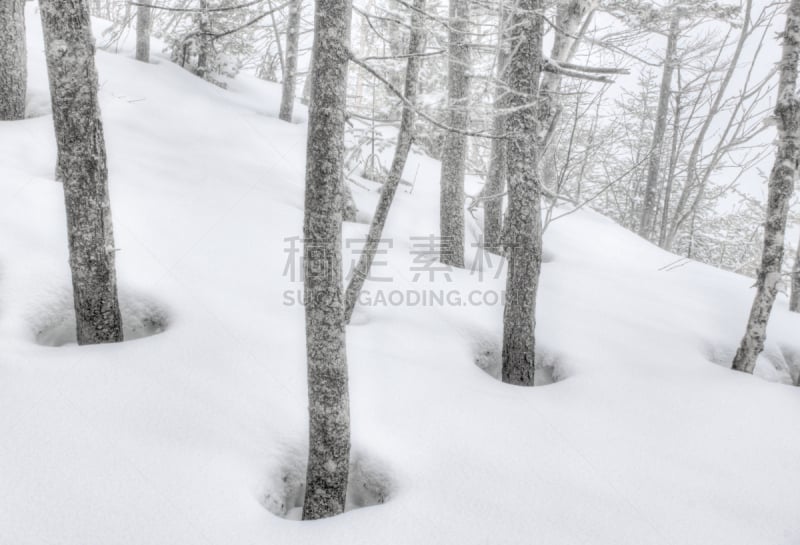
(54, 324)
(777, 363)
(488, 355)
(370, 483)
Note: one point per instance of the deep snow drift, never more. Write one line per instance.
(195, 432)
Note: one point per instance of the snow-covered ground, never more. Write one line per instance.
(196, 435)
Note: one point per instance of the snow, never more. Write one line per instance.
(197, 434)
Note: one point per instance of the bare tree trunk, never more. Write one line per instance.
(328, 400)
(349, 208)
(13, 60)
(204, 40)
(522, 235)
(454, 150)
(290, 66)
(566, 38)
(69, 48)
(308, 83)
(673, 163)
(781, 185)
(281, 58)
(569, 14)
(496, 175)
(654, 160)
(404, 139)
(144, 23)
(794, 297)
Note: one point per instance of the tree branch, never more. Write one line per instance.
(420, 113)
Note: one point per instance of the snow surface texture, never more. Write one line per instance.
(197, 435)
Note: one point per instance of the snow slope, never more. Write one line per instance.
(197, 435)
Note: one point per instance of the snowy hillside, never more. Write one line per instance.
(195, 432)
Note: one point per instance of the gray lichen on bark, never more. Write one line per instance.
(781, 185)
(69, 49)
(13, 60)
(328, 401)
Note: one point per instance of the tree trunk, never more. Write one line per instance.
(454, 150)
(13, 60)
(349, 208)
(781, 185)
(308, 82)
(694, 156)
(69, 48)
(522, 235)
(654, 160)
(794, 297)
(328, 402)
(566, 37)
(266, 71)
(673, 163)
(204, 40)
(496, 175)
(144, 22)
(404, 139)
(290, 66)
(569, 15)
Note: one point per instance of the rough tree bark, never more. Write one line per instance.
(454, 150)
(496, 174)
(290, 66)
(781, 185)
(404, 139)
(13, 60)
(328, 401)
(144, 23)
(522, 235)
(654, 160)
(69, 48)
